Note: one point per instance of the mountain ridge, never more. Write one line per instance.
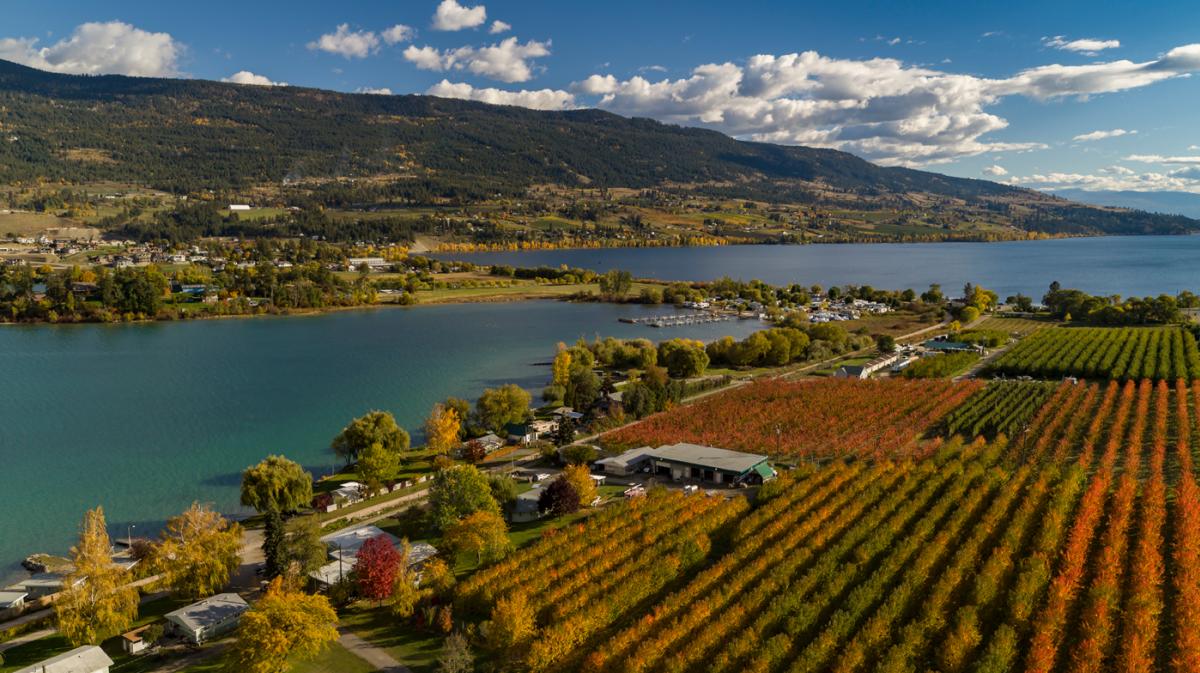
(186, 136)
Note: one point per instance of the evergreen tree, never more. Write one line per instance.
(273, 543)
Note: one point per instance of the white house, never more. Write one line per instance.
(12, 600)
(86, 659)
(210, 618)
(344, 544)
(238, 207)
(343, 550)
(349, 493)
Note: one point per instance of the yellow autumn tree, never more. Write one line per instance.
(98, 602)
(198, 552)
(581, 480)
(442, 429)
(562, 366)
(483, 532)
(511, 626)
(282, 627)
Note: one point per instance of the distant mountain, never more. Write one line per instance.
(1172, 203)
(187, 136)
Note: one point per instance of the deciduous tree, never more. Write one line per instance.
(302, 550)
(276, 483)
(406, 595)
(375, 465)
(581, 480)
(511, 626)
(483, 533)
(198, 552)
(442, 429)
(498, 407)
(457, 491)
(559, 497)
(456, 655)
(362, 432)
(97, 602)
(375, 568)
(561, 368)
(282, 627)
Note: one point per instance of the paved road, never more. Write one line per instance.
(28, 637)
(372, 654)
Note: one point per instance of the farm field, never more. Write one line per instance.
(1127, 353)
(807, 419)
(1019, 326)
(1002, 408)
(1075, 550)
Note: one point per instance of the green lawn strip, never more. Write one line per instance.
(335, 659)
(34, 651)
(417, 649)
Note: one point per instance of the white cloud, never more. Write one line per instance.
(1160, 159)
(112, 48)
(543, 99)
(995, 171)
(398, 33)
(507, 61)
(382, 91)
(880, 108)
(597, 85)
(1115, 178)
(499, 26)
(347, 43)
(452, 16)
(652, 68)
(1089, 46)
(247, 77)
(1101, 135)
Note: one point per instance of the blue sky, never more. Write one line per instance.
(1084, 94)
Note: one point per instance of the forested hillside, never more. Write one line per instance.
(186, 136)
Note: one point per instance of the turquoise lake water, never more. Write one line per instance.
(1125, 265)
(144, 419)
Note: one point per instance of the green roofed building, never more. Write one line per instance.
(693, 462)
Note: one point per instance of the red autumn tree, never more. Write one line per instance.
(375, 568)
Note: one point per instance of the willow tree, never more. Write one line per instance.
(198, 552)
(277, 484)
(98, 601)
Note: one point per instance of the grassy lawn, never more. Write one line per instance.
(44, 648)
(30, 653)
(417, 649)
(1021, 326)
(335, 659)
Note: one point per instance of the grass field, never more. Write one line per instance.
(335, 659)
(1017, 326)
(24, 224)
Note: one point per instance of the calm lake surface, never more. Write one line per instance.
(1125, 265)
(145, 419)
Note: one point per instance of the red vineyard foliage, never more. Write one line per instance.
(812, 419)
